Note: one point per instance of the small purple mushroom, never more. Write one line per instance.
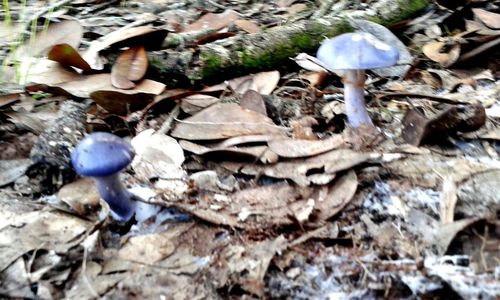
(102, 156)
(352, 54)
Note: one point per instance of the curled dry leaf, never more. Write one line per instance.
(66, 55)
(130, 66)
(438, 52)
(224, 120)
(146, 36)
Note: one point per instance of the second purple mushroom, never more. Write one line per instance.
(349, 55)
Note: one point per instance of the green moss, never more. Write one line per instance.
(250, 60)
(407, 8)
(211, 65)
(157, 64)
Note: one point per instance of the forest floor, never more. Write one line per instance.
(250, 181)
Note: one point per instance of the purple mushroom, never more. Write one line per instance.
(349, 55)
(102, 156)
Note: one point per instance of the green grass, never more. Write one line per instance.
(21, 66)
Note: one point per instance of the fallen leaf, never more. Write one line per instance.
(157, 156)
(490, 19)
(438, 52)
(195, 103)
(224, 120)
(253, 101)
(146, 36)
(130, 66)
(66, 55)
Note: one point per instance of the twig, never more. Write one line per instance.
(167, 124)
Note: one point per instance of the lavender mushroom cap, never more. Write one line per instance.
(101, 154)
(356, 51)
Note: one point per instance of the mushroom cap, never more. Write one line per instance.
(101, 154)
(356, 51)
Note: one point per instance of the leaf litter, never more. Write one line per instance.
(252, 186)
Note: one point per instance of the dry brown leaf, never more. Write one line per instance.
(66, 55)
(84, 85)
(130, 66)
(292, 148)
(213, 21)
(157, 156)
(194, 103)
(224, 120)
(231, 153)
(490, 19)
(49, 72)
(253, 101)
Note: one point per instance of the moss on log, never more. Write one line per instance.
(243, 54)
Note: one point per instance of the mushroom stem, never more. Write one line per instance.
(354, 87)
(116, 195)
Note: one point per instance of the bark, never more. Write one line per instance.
(271, 49)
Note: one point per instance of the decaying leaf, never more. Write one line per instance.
(224, 120)
(253, 101)
(40, 230)
(248, 265)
